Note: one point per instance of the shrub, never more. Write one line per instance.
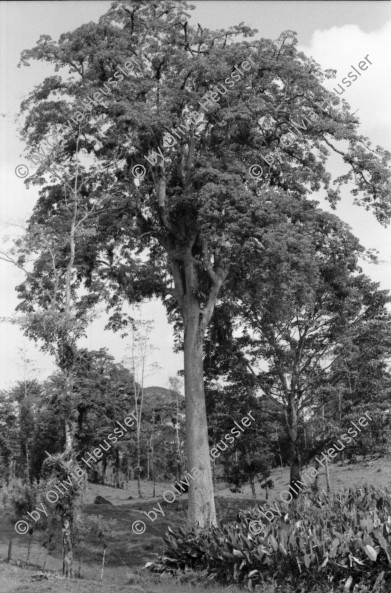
(341, 538)
(18, 498)
(93, 525)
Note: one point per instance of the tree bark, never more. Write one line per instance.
(295, 457)
(252, 484)
(201, 497)
(117, 468)
(196, 319)
(104, 469)
(328, 484)
(66, 528)
(295, 469)
(315, 484)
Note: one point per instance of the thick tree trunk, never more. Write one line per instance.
(196, 319)
(201, 498)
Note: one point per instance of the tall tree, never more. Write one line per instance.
(298, 314)
(189, 226)
(55, 315)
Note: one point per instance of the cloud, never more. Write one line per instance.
(341, 47)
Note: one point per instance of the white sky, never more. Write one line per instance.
(336, 34)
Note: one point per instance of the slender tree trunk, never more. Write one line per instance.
(153, 455)
(67, 515)
(252, 484)
(28, 476)
(295, 469)
(153, 468)
(139, 468)
(315, 484)
(67, 527)
(104, 469)
(12, 469)
(328, 484)
(201, 498)
(178, 447)
(117, 468)
(251, 476)
(295, 457)
(138, 400)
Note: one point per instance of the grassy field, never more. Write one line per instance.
(128, 552)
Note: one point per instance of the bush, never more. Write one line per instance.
(93, 525)
(18, 498)
(344, 538)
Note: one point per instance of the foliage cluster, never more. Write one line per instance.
(18, 498)
(344, 537)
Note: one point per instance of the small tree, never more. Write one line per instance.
(55, 315)
(140, 350)
(59, 470)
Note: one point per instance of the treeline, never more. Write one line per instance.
(32, 420)
(303, 341)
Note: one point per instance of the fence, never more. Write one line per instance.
(28, 551)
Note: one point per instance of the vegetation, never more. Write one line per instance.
(264, 289)
(343, 538)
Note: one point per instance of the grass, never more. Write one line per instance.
(128, 551)
(14, 579)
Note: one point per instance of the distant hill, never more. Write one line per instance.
(161, 394)
(161, 400)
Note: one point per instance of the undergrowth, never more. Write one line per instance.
(341, 542)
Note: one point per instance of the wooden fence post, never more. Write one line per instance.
(46, 556)
(28, 548)
(103, 562)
